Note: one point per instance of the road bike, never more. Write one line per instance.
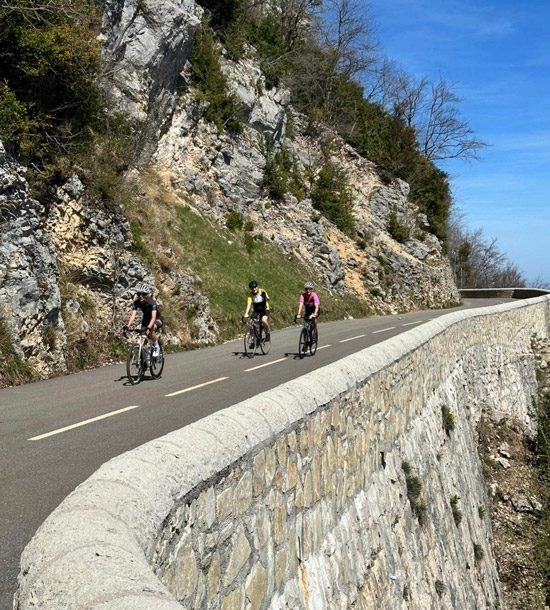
(140, 357)
(308, 337)
(255, 340)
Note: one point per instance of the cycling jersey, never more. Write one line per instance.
(310, 301)
(259, 301)
(147, 307)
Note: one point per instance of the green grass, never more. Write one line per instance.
(226, 263)
(13, 370)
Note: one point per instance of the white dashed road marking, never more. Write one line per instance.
(351, 339)
(261, 366)
(411, 323)
(82, 423)
(382, 330)
(195, 387)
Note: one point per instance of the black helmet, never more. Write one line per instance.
(253, 284)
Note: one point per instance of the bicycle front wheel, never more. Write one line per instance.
(313, 342)
(157, 364)
(302, 345)
(249, 343)
(134, 365)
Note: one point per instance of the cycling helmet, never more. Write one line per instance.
(253, 284)
(308, 285)
(142, 288)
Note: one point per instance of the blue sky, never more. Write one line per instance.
(496, 54)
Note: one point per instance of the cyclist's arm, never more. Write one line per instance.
(131, 318)
(152, 321)
(300, 305)
(248, 306)
(316, 302)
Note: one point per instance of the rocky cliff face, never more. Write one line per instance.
(86, 249)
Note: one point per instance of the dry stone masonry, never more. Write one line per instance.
(339, 489)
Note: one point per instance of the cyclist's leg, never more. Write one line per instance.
(265, 323)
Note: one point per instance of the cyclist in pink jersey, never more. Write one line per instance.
(309, 301)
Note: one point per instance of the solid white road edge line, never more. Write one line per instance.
(262, 365)
(82, 423)
(382, 330)
(351, 339)
(195, 387)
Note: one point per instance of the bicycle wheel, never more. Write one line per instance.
(157, 364)
(265, 344)
(302, 345)
(134, 365)
(313, 342)
(249, 343)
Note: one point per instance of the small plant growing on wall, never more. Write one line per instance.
(457, 513)
(439, 588)
(478, 552)
(481, 510)
(448, 419)
(414, 487)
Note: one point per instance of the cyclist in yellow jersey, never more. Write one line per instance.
(258, 300)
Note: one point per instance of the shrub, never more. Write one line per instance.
(397, 230)
(479, 553)
(457, 513)
(223, 109)
(414, 488)
(234, 221)
(449, 419)
(332, 196)
(281, 174)
(50, 58)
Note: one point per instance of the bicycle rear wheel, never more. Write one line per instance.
(313, 342)
(157, 364)
(302, 345)
(135, 366)
(249, 343)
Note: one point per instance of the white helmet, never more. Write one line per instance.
(142, 288)
(308, 285)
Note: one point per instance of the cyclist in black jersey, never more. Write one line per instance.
(151, 320)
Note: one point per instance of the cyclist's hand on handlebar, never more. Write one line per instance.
(125, 329)
(244, 318)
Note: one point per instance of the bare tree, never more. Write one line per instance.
(478, 262)
(442, 133)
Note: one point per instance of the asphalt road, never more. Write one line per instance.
(48, 445)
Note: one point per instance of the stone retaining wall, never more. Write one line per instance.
(330, 491)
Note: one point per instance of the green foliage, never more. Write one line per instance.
(397, 230)
(14, 122)
(223, 109)
(439, 588)
(457, 513)
(281, 174)
(332, 196)
(13, 370)
(481, 510)
(234, 220)
(49, 60)
(431, 192)
(226, 265)
(479, 553)
(414, 488)
(449, 419)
